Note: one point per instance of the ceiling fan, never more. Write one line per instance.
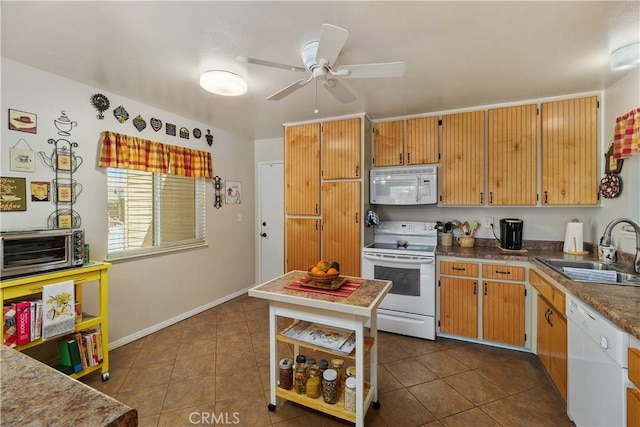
(318, 58)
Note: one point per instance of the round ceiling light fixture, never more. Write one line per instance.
(223, 83)
(625, 57)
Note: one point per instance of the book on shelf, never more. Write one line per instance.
(36, 319)
(10, 332)
(332, 338)
(70, 354)
(82, 348)
(93, 342)
(23, 322)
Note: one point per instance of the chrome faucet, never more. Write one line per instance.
(605, 240)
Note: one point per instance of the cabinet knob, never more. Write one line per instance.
(263, 234)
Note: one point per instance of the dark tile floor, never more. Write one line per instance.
(212, 369)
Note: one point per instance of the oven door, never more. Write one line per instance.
(413, 277)
(394, 190)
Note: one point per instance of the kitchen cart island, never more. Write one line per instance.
(348, 312)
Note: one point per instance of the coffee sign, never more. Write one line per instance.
(13, 194)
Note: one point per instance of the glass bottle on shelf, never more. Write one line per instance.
(330, 386)
(337, 365)
(314, 386)
(350, 394)
(286, 374)
(300, 375)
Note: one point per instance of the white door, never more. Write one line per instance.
(271, 220)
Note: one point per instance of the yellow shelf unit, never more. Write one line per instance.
(26, 286)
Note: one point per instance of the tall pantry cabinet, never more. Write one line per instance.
(326, 176)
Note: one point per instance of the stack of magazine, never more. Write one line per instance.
(339, 340)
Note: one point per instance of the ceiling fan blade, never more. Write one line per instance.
(256, 61)
(338, 90)
(332, 40)
(289, 89)
(363, 71)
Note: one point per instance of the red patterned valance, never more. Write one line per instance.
(129, 152)
(626, 138)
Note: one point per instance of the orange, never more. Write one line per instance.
(332, 271)
(315, 269)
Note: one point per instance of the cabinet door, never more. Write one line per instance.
(341, 149)
(341, 224)
(544, 333)
(459, 306)
(503, 312)
(558, 352)
(570, 152)
(302, 244)
(463, 159)
(421, 145)
(302, 169)
(513, 155)
(633, 408)
(388, 143)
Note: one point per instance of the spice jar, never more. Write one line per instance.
(300, 375)
(313, 382)
(310, 362)
(322, 365)
(330, 386)
(350, 394)
(286, 374)
(337, 365)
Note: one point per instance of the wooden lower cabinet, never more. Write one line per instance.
(552, 344)
(503, 312)
(459, 306)
(303, 243)
(633, 394)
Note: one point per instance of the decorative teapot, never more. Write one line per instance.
(62, 158)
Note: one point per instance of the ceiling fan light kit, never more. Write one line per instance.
(318, 58)
(223, 83)
(625, 57)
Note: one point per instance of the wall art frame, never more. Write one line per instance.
(13, 194)
(233, 192)
(23, 121)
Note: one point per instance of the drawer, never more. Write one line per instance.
(506, 272)
(468, 269)
(634, 366)
(548, 291)
(35, 287)
(633, 408)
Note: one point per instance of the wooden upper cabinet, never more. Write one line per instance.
(419, 146)
(341, 142)
(422, 139)
(388, 143)
(341, 224)
(569, 134)
(513, 154)
(302, 173)
(463, 159)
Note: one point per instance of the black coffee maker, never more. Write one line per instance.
(511, 233)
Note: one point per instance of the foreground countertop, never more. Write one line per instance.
(33, 393)
(620, 304)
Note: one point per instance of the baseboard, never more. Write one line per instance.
(172, 321)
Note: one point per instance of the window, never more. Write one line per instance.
(153, 212)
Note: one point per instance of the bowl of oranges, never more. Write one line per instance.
(324, 272)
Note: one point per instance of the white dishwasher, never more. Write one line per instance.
(597, 368)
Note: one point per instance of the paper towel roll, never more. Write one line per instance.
(573, 238)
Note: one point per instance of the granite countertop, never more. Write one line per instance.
(33, 393)
(620, 304)
(363, 299)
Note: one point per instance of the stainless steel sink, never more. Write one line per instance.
(624, 275)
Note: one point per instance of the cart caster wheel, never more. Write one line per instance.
(271, 407)
(105, 376)
(376, 405)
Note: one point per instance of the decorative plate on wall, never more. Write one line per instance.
(197, 133)
(184, 133)
(121, 114)
(139, 123)
(156, 124)
(101, 103)
(171, 129)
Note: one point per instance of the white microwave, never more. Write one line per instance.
(404, 186)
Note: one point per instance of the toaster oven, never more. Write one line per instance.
(35, 251)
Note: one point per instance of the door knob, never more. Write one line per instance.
(263, 234)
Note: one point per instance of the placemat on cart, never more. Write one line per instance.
(344, 290)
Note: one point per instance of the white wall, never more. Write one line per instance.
(145, 293)
(620, 98)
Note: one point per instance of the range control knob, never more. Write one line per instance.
(604, 343)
